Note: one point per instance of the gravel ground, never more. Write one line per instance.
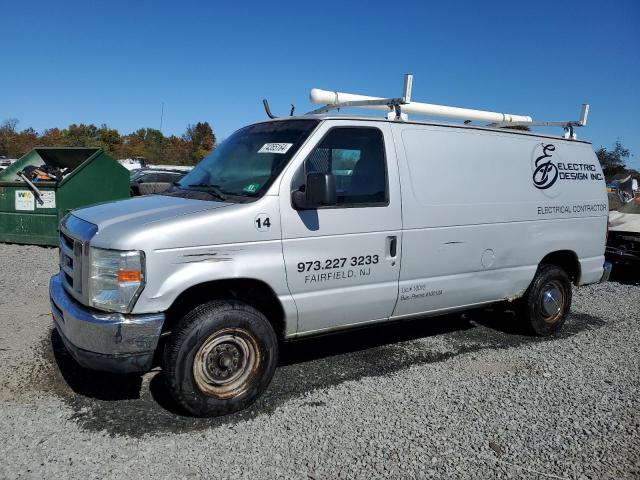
(456, 397)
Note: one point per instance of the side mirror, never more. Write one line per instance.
(320, 191)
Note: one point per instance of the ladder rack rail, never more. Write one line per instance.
(567, 126)
(399, 107)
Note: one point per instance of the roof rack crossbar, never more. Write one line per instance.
(568, 126)
(389, 102)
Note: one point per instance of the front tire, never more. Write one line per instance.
(220, 358)
(546, 303)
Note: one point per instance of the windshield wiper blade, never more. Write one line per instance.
(209, 188)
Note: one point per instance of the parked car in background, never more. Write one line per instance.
(175, 168)
(146, 181)
(623, 243)
(621, 190)
(135, 163)
(6, 162)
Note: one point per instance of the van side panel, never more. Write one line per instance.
(481, 209)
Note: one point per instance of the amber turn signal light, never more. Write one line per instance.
(129, 276)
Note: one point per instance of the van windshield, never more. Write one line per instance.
(247, 162)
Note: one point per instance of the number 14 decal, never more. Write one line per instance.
(263, 222)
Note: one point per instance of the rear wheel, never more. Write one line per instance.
(220, 358)
(547, 301)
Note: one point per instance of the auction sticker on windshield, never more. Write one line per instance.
(280, 148)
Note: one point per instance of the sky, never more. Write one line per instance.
(116, 62)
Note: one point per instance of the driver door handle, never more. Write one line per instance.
(392, 244)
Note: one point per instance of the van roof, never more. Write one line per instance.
(423, 122)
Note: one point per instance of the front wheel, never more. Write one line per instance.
(547, 301)
(220, 358)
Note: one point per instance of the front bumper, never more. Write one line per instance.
(112, 342)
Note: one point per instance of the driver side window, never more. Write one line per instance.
(355, 156)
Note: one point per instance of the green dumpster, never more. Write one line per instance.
(32, 207)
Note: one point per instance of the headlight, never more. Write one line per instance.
(116, 278)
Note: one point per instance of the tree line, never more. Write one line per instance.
(614, 161)
(148, 143)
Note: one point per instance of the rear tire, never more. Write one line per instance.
(220, 358)
(546, 303)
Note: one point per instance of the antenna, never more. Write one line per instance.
(161, 116)
(267, 109)
(398, 108)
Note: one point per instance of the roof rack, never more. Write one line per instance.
(567, 126)
(399, 107)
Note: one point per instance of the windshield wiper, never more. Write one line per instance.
(209, 188)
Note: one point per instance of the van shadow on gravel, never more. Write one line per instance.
(135, 405)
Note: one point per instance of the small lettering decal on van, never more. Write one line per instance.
(280, 148)
(584, 209)
(262, 222)
(338, 268)
(419, 290)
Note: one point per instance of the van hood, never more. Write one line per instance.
(143, 210)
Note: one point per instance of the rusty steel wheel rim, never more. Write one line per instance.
(225, 362)
(552, 302)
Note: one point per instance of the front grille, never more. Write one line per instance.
(66, 241)
(74, 248)
(71, 263)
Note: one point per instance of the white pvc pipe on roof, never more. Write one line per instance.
(325, 97)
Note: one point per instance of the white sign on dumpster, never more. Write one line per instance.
(48, 199)
(25, 200)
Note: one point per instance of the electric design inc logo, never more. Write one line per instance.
(550, 170)
(545, 173)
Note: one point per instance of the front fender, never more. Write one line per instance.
(173, 271)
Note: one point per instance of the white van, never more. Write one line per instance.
(305, 225)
